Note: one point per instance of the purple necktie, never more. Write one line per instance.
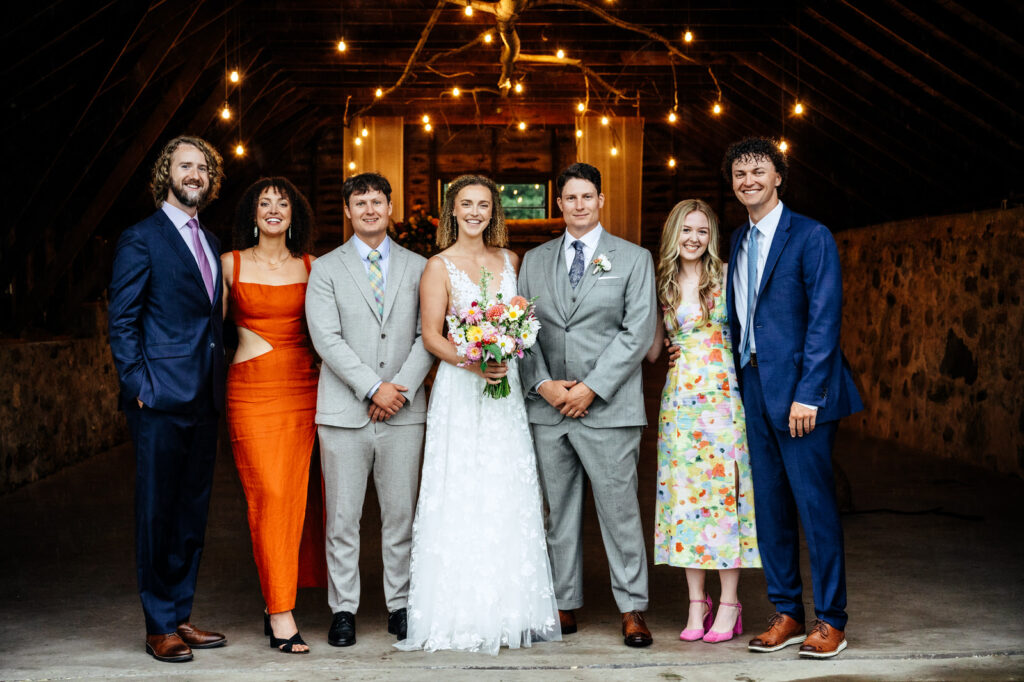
(204, 263)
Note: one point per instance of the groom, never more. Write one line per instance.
(362, 307)
(585, 397)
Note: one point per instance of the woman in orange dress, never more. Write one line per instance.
(271, 394)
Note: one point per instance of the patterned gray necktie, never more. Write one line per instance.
(576, 271)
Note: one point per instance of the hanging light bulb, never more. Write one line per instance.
(234, 77)
(378, 93)
(351, 165)
(456, 92)
(688, 37)
(428, 127)
(717, 109)
(671, 162)
(522, 125)
(560, 54)
(358, 141)
(365, 132)
(581, 107)
(239, 150)
(342, 46)
(798, 108)
(672, 117)
(604, 120)
(469, 11)
(579, 133)
(783, 146)
(615, 151)
(488, 38)
(518, 87)
(426, 118)
(225, 113)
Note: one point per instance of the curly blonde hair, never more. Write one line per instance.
(669, 262)
(495, 234)
(161, 181)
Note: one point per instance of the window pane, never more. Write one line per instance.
(521, 200)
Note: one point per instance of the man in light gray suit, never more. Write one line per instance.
(585, 397)
(362, 307)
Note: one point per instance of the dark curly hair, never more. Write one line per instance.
(752, 148)
(583, 171)
(160, 182)
(495, 234)
(301, 239)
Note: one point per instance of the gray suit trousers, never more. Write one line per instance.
(608, 457)
(348, 455)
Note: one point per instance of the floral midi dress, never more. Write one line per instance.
(705, 501)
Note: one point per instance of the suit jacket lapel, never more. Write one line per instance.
(589, 276)
(354, 264)
(171, 235)
(778, 242)
(556, 269)
(396, 271)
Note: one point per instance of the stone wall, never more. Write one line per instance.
(58, 404)
(932, 325)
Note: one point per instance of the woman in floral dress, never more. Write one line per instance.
(705, 501)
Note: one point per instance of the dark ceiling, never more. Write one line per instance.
(912, 108)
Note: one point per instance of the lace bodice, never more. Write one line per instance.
(465, 290)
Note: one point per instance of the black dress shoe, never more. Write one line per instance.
(343, 629)
(398, 623)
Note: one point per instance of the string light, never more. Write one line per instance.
(615, 151)
(365, 132)
(342, 46)
(579, 133)
(522, 125)
(536, 186)
(672, 117)
(519, 200)
(469, 11)
(428, 127)
(239, 150)
(358, 141)
(560, 54)
(426, 118)
(518, 88)
(783, 146)
(798, 108)
(225, 113)
(671, 162)
(351, 165)
(717, 109)
(488, 38)
(604, 120)
(234, 77)
(456, 92)
(581, 107)
(378, 93)
(688, 37)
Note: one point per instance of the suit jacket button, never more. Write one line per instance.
(213, 345)
(383, 336)
(382, 364)
(567, 330)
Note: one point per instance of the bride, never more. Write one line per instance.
(480, 577)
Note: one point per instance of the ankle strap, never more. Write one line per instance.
(725, 603)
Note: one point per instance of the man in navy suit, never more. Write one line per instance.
(166, 337)
(785, 295)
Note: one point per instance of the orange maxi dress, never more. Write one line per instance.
(271, 410)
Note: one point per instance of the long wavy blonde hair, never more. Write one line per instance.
(495, 234)
(669, 262)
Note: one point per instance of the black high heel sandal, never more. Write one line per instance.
(283, 645)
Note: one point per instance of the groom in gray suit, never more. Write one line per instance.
(585, 399)
(362, 307)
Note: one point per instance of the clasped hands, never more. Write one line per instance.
(571, 398)
(386, 401)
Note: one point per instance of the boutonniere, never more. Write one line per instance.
(601, 264)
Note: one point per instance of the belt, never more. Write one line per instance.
(753, 359)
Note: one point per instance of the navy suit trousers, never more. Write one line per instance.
(793, 481)
(174, 455)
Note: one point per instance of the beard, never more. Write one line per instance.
(190, 198)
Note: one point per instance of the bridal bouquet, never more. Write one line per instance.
(493, 330)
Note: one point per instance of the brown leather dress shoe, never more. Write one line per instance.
(634, 629)
(824, 641)
(567, 619)
(200, 639)
(782, 631)
(168, 648)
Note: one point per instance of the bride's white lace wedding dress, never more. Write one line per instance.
(480, 577)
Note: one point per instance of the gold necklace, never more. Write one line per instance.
(270, 264)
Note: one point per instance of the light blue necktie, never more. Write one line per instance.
(576, 269)
(751, 294)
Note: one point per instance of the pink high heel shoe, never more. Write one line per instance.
(693, 634)
(714, 637)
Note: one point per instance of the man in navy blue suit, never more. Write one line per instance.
(785, 295)
(166, 337)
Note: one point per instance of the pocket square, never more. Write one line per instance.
(609, 277)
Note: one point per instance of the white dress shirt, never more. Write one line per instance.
(180, 220)
(764, 233)
(589, 240)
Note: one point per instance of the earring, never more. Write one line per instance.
(289, 233)
(255, 232)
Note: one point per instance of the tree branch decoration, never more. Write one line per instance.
(506, 13)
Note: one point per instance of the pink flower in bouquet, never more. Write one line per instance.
(473, 313)
(474, 353)
(495, 312)
(519, 302)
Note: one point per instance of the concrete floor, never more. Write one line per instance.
(936, 590)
